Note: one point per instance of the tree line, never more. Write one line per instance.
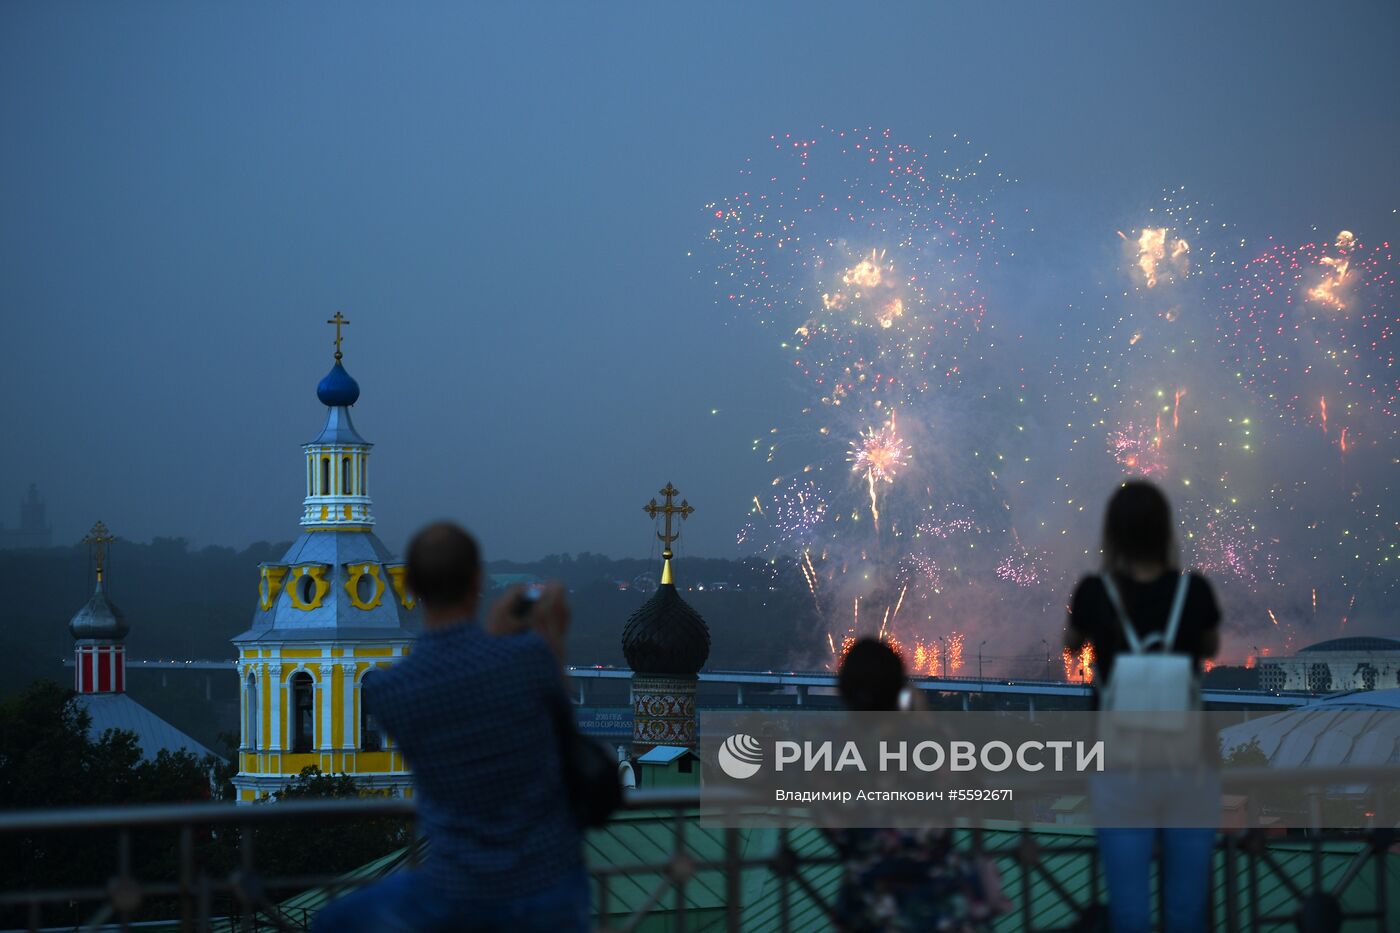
(49, 758)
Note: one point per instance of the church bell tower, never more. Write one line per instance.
(329, 614)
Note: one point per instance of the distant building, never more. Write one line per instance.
(34, 530)
(1309, 735)
(667, 766)
(99, 631)
(1352, 663)
(330, 613)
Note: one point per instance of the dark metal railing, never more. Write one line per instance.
(1245, 859)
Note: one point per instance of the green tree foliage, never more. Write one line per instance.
(326, 847)
(1247, 755)
(47, 759)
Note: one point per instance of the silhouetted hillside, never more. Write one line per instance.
(186, 603)
(180, 603)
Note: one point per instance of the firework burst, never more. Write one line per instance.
(878, 452)
(1319, 321)
(863, 256)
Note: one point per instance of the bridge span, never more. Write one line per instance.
(800, 683)
(749, 686)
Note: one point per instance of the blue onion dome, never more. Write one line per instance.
(99, 619)
(666, 636)
(338, 388)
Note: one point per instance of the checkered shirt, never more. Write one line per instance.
(472, 715)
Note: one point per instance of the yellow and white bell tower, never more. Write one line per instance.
(330, 613)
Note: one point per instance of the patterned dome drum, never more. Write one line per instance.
(666, 636)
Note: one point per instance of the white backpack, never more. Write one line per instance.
(1148, 708)
(1148, 683)
(1150, 701)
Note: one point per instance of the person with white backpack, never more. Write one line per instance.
(1151, 625)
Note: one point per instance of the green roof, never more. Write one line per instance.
(632, 838)
(1064, 874)
(300, 908)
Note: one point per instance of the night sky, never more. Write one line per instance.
(508, 200)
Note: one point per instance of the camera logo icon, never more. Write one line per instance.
(740, 756)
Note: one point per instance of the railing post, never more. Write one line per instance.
(1159, 860)
(732, 877)
(1232, 883)
(246, 871)
(124, 893)
(784, 883)
(680, 870)
(1252, 861)
(206, 898)
(1379, 853)
(186, 876)
(1023, 859)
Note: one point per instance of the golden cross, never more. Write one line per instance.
(684, 509)
(99, 538)
(338, 320)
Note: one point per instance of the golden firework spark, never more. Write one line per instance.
(1155, 246)
(879, 453)
(1327, 291)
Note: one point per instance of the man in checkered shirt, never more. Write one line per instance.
(474, 710)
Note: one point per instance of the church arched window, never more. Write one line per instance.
(251, 719)
(346, 485)
(371, 739)
(306, 589)
(303, 712)
(325, 476)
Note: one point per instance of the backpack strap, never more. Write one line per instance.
(1134, 643)
(1178, 605)
(1138, 645)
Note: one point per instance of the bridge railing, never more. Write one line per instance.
(203, 897)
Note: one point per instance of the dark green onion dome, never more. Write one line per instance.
(99, 618)
(666, 636)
